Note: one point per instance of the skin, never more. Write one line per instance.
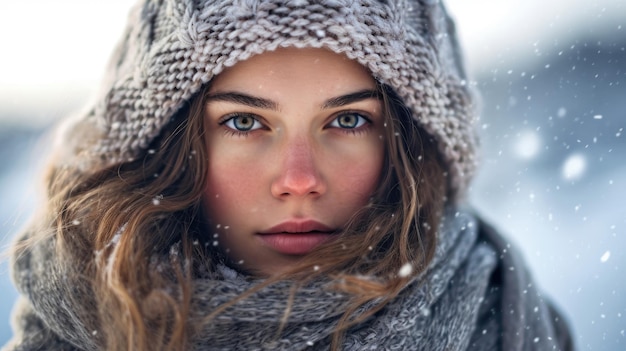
(284, 149)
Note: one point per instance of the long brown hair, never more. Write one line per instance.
(128, 213)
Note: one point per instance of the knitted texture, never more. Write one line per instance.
(172, 47)
(474, 295)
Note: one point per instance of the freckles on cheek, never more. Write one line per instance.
(357, 170)
(360, 182)
(359, 179)
(232, 185)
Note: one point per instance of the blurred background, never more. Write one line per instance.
(553, 81)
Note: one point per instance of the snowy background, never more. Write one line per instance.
(553, 80)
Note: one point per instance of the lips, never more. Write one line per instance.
(296, 237)
(299, 227)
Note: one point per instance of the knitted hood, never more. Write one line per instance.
(172, 47)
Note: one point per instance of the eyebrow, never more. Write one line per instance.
(351, 98)
(258, 102)
(244, 99)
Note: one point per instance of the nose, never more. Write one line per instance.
(298, 175)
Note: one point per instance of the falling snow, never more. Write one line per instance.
(605, 257)
(552, 168)
(528, 145)
(157, 200)
(574, 167)
(405, 270)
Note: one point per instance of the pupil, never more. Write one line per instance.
(243, 123)
(347, 121)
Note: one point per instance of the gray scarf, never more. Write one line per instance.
(454, 305)
(446, 297)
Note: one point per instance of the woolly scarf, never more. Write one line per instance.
(453, 305)
(446, 297)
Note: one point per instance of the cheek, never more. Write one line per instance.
(232, 187)
(360, 179)
(358, 174)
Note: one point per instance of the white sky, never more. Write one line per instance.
(54, 52)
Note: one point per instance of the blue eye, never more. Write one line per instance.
(349, 120)
(243, 123)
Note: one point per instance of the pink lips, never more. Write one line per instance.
(296, 237)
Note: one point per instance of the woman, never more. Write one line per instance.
(274, 175)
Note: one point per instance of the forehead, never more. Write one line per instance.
(293, 68)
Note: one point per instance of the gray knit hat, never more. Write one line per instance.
(172, 47)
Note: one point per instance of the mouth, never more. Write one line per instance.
(297, 237)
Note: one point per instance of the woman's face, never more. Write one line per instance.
(295, 148)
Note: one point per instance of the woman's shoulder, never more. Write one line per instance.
(32, 333)
(515, 314)
(55, 307)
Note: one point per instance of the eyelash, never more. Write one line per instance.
(362, 124)
(361, 127)
(234, 131)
